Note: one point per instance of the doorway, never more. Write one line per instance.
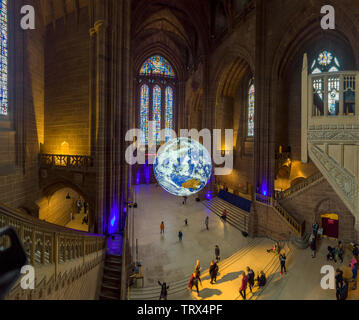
(330, 225)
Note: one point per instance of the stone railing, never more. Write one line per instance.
(284, 215)
(300, 186)
(65, 161)
(260, 198)
(293, 223)
(56, 253)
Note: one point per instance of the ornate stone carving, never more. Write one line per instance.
(345, 182)
(333, 135)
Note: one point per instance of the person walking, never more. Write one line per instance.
(85, 207)
(217, 253)
(213, 271)
(355, 274)
(197, 268)
(340, 251)
(184, 200)
(353, 261)
(162, 227)
(224, 215)
(180, 236)
(243, 288)
(355, 251)
(315, 228)
(313, 244)
(186, 222)
(164, 292)
(79, 206)
(338, 283)
(194, 281)
(207, 222)
(344, 291)
(251, 276)
(282, 259)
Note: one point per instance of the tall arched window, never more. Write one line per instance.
(251, 110)
(157, 87)
(4, 58)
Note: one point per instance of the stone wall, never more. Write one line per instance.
(67, 115)
(20, 143)
(267, 223)
(319, 199)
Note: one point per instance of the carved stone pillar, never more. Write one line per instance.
(100, 112)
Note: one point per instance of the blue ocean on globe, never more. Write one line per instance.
(183, 167)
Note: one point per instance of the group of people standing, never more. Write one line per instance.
(248, 280)
(195, 279)
(341, 284)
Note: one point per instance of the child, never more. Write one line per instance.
(180, 236)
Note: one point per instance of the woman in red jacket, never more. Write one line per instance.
(243, 288)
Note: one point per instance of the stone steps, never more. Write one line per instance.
(180, 286)
(235, 216)
(111, 280)
(271, 270)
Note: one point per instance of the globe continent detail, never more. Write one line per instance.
(183, 167)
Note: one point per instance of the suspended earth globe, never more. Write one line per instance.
(183, 167)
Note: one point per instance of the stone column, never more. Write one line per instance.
(264, 144)
(100, 29)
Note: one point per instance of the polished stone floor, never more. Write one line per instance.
(165, 258)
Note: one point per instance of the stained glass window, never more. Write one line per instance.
(251, 105)
(169, 112)
(157, 82)
(157, 65)
(325, 62)
(4, 58)
(145, 102)
(157, 114)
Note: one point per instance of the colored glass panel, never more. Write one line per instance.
(145, 101)
(169, 112)
(4, 58)
(325, 62)
(157, 114)
(157, 65)
(251, 101)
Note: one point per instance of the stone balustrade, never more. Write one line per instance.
(56, 253)
(66, 161)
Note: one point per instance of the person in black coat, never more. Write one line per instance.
(262, 280)
(217, 253)
(250, 273)
(213, 271)
(344, 291)
(164, 291)
(339, 283)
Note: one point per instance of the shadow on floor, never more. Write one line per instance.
(207, 293)
(230, 277)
